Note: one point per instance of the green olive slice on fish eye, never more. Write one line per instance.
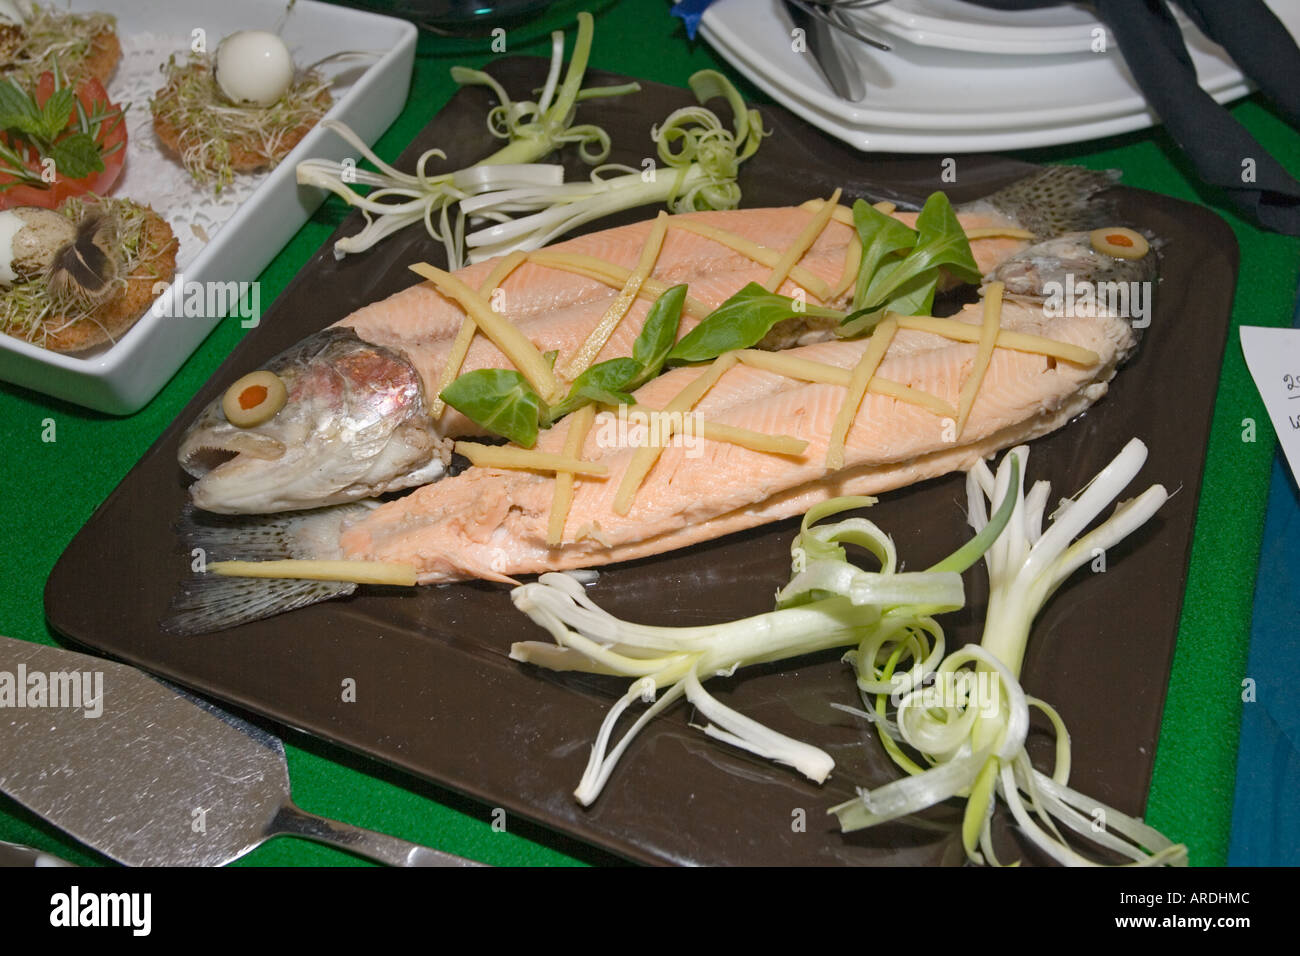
(1120, 243)
(254, 399)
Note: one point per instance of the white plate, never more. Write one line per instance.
(955, 25)
(945, 142)
(1052, 100)
(924, 89)
(368, 96)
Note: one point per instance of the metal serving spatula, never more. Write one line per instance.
(149, 775)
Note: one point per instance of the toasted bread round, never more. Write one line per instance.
(114, 317)
(247, 154)
(100, 61)
(102, 58)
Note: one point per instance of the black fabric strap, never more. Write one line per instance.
(1221, 151)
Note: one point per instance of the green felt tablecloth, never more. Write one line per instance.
(50, 489)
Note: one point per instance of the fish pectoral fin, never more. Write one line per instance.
(210, 602)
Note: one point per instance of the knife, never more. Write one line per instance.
(840, 71)
(150, 775)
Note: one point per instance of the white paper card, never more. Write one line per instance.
(1273, 358)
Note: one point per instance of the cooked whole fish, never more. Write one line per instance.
(490, 523)
(338, 440)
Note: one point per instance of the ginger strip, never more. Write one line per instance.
(988, 341)
(526, 459)
(644, 458)
(612, 275)
(513, 343)
(861, 378)
(460, 347)
(617, 310)
(358, 572)
(579, 424)
(1017, 341)
(755, 252)
(802, 244)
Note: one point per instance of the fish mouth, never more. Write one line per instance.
(200, 454)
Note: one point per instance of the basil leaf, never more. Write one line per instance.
(603, 396)
(498, 400)
(76, 156)
(606, 383)
(658, 335)
(881, 235)
(941, 242)
(740, 322)
(915, 298)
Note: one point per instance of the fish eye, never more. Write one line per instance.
(1120, 243)
(254, 399)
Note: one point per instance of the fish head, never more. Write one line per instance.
(354, 424)
(1069, 272)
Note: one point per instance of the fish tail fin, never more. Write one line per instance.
(1057, 200)
(212, 602)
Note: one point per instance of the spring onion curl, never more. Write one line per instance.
(966, 713)
(828, 603)
(533, 130)
(700, 160)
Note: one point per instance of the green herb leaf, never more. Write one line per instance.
(606, 382)
(658, 335)
(942, 243)
(57, 111)
(740, 322)
(915, 298)
(499, 400)
(615, 375)
(18, 111)
(76, 156)
(881, 235)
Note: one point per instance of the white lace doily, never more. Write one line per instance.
(152, 175)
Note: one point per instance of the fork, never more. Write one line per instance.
(831, 13)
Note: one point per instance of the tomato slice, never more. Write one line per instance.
(111, 141)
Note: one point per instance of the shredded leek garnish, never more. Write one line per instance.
(700, 159)
(972, 736)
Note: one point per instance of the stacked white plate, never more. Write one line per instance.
(960, 77)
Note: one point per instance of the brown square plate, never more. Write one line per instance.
(440, 698)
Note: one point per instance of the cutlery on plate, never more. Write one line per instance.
(840, 71)
(149, 775)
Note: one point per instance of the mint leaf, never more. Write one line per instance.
(57, 111)
(18, 111)
(76, 156)
(498, 400)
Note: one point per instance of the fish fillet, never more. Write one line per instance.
(557, 310)
(492, 523)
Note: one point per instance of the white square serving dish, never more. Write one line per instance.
(368, 96)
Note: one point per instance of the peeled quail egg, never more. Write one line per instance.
(29, 239)
(253, 68)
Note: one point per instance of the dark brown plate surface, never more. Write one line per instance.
(450, 706)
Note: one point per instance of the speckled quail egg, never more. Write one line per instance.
(29, 239)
